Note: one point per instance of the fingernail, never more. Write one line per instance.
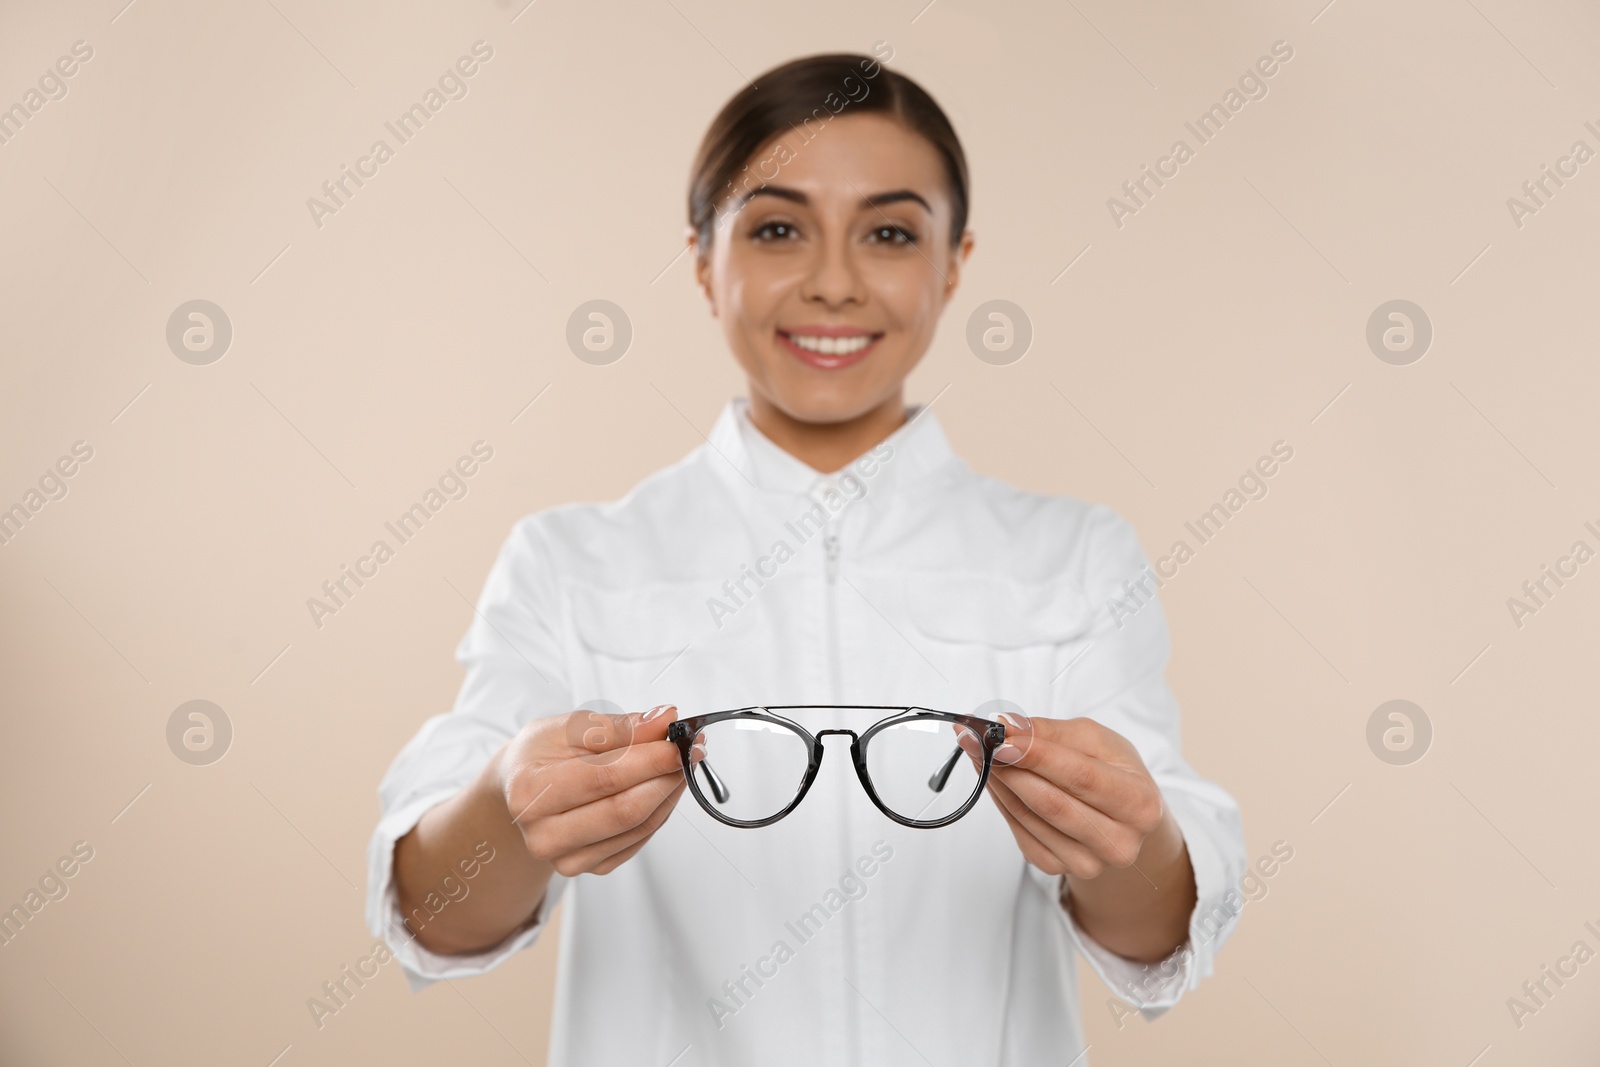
(1013, 720)
(1008, 753)
(657, 712)
(696, 753)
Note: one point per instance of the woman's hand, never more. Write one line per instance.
(1080, 802)
(587, 790)
(568, 794)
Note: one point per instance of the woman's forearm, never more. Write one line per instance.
(499, 899)
(1140, 912)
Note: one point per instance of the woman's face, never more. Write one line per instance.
(829, 281)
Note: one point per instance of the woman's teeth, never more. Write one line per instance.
(831, 346)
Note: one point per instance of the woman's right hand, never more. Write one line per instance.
(588, 789)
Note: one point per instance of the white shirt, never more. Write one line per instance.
(908, 579)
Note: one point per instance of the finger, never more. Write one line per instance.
(1033, 849)
(569, 784)
(605, 855)
(1083, 733)
(1019, 736)
(1058, 758)
(1112, 842)
(1064, 855)
(664, 812)
(611, 863)
(592, 733)
(575, 841)
(541, 761)
(1126, 795)
(567, 832)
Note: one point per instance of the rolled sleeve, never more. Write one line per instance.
(515, 671)
(1120, 681)
(1153, 988)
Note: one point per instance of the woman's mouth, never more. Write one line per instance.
(829, 347)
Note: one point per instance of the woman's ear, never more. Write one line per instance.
(958, 259)
(702, 268)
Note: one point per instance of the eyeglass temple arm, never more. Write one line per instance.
(942, 775)
(718, 790)
(677, 732)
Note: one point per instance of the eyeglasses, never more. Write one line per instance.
(909, 763)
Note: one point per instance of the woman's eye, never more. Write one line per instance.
(892, 235)
(773, 231)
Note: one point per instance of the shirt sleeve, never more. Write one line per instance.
(1119, 679)
(515, 671)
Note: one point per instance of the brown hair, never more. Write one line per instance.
(804, 94)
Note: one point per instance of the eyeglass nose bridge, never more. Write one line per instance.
(854, 737)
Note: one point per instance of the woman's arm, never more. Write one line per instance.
(508, 889)
(564, 796)
(1080, 802)
(1140, 912)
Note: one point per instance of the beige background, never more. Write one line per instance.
(1227, 314)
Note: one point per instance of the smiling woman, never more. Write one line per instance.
(829, 278)
(828, 262)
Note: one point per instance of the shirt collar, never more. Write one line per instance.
(748, 457)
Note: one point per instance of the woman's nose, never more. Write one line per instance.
(835, 277)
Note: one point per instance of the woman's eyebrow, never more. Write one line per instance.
(783, 192)
(899, 194)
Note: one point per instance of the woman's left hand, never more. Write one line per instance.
(1076, 795)
(1080, 802)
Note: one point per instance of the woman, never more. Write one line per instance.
(826, 545)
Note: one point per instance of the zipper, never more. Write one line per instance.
(830, 552)
(850, 1034)
(830, 568)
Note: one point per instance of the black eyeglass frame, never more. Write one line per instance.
(991, 734)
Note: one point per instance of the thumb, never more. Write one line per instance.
(605, 736)
(652, 725)
(1019, 738)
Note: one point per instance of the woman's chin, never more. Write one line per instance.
(826, 406)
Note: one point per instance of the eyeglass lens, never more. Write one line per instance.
(924, 769)
(752, 768)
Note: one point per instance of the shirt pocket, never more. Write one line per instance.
(994, 637)
(651, 642)
(996, 611)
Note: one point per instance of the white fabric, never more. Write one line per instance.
(950, 589)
